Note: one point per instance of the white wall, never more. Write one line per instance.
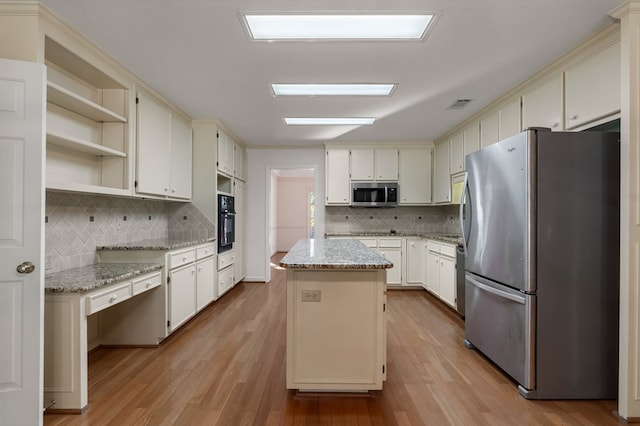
(260, 162)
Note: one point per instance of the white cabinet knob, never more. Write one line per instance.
(574, 117)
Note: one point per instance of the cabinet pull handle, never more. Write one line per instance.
(574, 117)
(113, 298)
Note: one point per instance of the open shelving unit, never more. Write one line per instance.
(88, 135)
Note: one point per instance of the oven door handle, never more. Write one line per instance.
(497, 292)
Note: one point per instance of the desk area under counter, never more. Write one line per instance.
(75, 295)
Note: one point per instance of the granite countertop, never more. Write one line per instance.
(447, 238)
(333, 254)
(87, 278)
(157, 244)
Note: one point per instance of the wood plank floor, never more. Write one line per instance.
(227, 367)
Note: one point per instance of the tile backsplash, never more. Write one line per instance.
(428, 219)
(77, 223)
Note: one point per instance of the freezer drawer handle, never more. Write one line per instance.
(504, 294)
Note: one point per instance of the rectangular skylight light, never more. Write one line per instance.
(340, 121)
(336, 26)
(281, 89)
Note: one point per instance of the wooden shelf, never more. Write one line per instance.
(83, 146)
(67, 99)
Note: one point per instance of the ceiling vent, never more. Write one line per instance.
(460, 103)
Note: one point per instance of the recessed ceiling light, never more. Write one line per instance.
(281, 89)
(340, 121)
(335, 27)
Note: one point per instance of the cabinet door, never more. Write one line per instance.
(442, 181)
(542, 105)
(489, 129)
(240, 168)
(414, 179)
(448, 280)
(592, 88)
(433, 273)
(414, 261)
(226, 153)
(338, 186)
(471, 140)
(225, 280)
(386, 164)
(426, 266)
(181, 158)
(205, 282)
(182, 295)
(394, 255)
(154, 147)
(457, 153)
(362, 164)
(509, 119)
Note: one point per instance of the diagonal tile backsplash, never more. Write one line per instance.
(77, 223)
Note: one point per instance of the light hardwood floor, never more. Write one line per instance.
(227, 367)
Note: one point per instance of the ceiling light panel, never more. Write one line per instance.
(324, 121)
(338, 27)
(281, 89)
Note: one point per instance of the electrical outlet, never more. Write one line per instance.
(310, 295)
(48, 263)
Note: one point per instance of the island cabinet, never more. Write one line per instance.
(336, 320)
(117, 297)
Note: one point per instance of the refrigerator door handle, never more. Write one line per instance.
(497, 292)
(463, 199)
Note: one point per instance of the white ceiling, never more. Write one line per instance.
(197, 54)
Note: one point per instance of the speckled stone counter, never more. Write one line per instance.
(91, 277)
(333, 254)
(166, 244)
(446, 238)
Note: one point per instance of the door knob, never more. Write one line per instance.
(26, 268)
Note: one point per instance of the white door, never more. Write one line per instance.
(22, 115)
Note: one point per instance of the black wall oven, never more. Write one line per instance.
(226, 222)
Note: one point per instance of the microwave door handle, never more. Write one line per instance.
(386, 194)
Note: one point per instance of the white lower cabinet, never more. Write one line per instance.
(441, 271)
(413, 262)
(226, 272)
(182, 295)
(205, 282)
(391, 249)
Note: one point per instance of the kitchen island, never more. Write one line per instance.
(336, 323)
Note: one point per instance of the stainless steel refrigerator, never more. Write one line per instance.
(540, 217)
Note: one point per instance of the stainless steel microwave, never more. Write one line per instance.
(374, 194)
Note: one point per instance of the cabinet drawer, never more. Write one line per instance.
(225, 260)
(205, 250)
(433, 246)
(448, 250)
(105, 299)
(225, 281)
(389, 242)
(147, 282)
(369, 242)
(179, 258)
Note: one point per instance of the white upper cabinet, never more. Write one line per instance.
(154, 147)
(374, 164)
(489, 129)
(181, 158)
(414, 180)
(542, 105)
(164, 151)
(471, 139)
(362, 163)
(240, 170)
(457, 153)
(226, 153)
(592, 88)
(386, 164)
(338, 186)
(442, 175)
(509, 119)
